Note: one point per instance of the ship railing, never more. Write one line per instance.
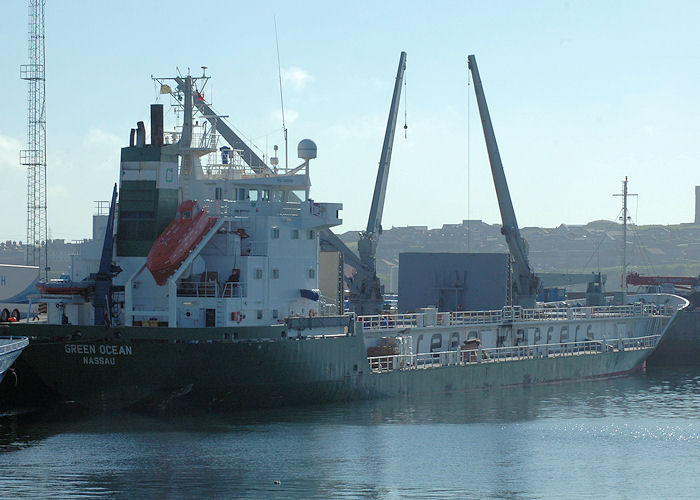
(234, 289)
(388, 321)
(211, 289)
(197, 289)
(475, 317)
(290, 209)
(19, 343)
(253, 248)
(391, 321)
(505, 354)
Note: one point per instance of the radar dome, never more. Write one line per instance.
(306, 150)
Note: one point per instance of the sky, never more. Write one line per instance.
(581, 94)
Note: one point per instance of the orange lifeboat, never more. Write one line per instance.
(174, 245)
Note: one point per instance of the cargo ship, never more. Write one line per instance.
(231, 314)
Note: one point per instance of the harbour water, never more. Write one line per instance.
(633, 437)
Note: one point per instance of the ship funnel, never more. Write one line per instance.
(140, 135)
(132, 137)
(156, 125)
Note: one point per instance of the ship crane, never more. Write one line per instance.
(526, 284)
(365, 289)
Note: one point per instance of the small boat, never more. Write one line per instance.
(189, 226)
(10, 349)
(63, 286)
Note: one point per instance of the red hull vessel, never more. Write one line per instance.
(173, 246)
(62, 288)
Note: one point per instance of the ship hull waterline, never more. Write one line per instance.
(134, 368)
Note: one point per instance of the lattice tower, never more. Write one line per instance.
(34, 157)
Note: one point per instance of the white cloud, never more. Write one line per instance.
(297, 78)
(9, 152)
(101, 139)
(13, 190)
(80, 173)
(366, 127)
(290, 116)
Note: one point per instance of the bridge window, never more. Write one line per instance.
(275, 233)
(418, 343)
(538, 335)
(550, 331)
(454, 342)
(473, 335)
(576, 333)
(275, 314)
(218, 193)
(260, 313)
(275, 273)
(258, 274)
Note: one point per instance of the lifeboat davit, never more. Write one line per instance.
(173, 246)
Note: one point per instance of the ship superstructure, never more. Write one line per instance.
(208, 245)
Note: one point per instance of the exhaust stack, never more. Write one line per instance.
(140, 135)
(156, 125)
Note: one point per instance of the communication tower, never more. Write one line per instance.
(34, 157)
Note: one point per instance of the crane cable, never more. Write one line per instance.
(469, 83)
(405, 98)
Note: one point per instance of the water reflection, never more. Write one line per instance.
(519, 442)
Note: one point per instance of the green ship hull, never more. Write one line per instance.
(681, 342)
(161, 368)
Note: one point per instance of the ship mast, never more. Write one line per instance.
(624, 217)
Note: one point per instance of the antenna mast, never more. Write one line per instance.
(625, 217)
(34, 157)
(284, 125)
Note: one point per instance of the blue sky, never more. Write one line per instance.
(581, 94)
